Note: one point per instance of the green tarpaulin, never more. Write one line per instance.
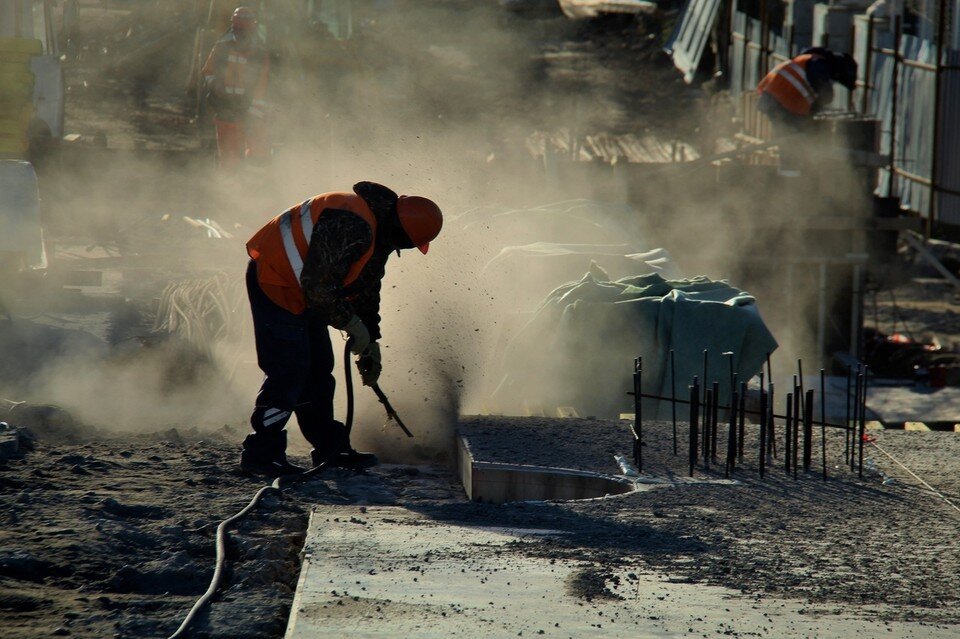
(578, 349)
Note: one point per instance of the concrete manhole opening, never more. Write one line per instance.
(497, 483)
(500, 483)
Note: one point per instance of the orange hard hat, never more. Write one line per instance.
(420, 218)
(243, 18)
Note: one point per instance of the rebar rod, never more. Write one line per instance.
(694, 417)
(673, 398)
(807, 430)
(731, 437)
(863, 419)
(763, 427)
(742, 421)
(823, 419)
(715, 418)
(787, 435)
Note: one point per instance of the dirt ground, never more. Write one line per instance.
(881, 549)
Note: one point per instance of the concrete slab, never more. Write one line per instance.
(894, 404)
(392, 572)
(14, 441)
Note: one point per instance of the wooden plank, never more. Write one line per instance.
(916, 426)
(567, 411)
(874, 425)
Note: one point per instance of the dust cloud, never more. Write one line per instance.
(435, 99)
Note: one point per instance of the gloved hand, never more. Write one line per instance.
(358, 332)
(370, 365)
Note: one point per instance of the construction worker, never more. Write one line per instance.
(316, 265)
(236, 74)
(796, 90)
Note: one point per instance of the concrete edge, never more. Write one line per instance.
(509, 482)
(301, 580)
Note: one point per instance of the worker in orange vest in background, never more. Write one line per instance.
(236, 75)
(796, 90)
(317, 265)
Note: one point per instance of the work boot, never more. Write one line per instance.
(349, 458)
(265, 454)
(338, 451)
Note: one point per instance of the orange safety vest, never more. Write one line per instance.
(787, 84)
(280, 247)
(228, 60)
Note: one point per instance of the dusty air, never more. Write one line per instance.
(479, 318)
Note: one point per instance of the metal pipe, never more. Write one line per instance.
(933, 210)
(893, 105)
(907, 62)
(865, 101)
(764, 35)
(919, 179)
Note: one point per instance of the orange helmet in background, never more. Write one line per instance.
(420, 218)
(243, 19)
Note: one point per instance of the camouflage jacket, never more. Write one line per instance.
(338, 240)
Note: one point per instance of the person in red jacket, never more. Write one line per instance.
(317, 265)
(796, 90)
(236, 75)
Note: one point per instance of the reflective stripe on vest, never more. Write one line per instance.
(787, 83)
(280, 248)
(796, 76)
(286, 232)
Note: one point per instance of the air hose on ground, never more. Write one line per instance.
(276, 487)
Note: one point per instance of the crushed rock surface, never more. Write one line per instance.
(114, 537)
(862, 543)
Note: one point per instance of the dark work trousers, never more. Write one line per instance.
(296, 356)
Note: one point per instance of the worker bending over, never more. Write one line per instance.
(796, 90)
(315, 265)
(236, 75)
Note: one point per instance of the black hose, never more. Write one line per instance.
(275, 487)
(348, 384)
